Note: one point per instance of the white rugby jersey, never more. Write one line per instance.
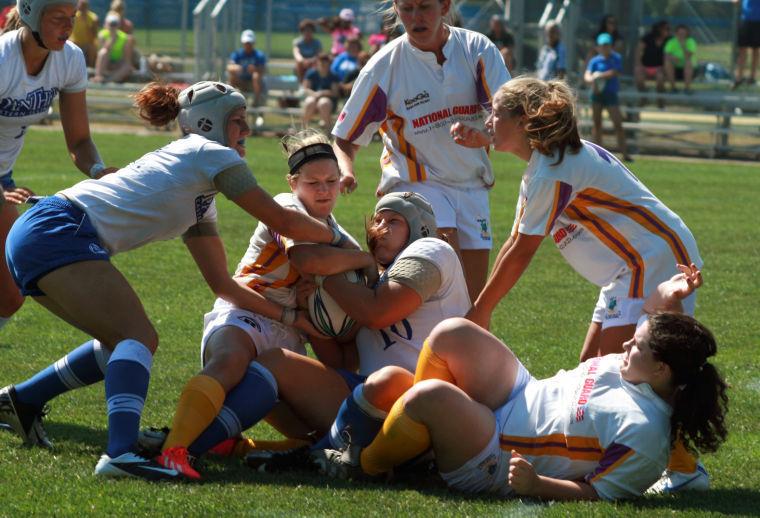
(604, 221)
(400, 343)
(589, 424)
(265, 265)
(25, 99)
(413, 101)
(157, 197)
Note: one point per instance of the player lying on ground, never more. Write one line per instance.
(59, 252)
(273, 265)
(421, 283)
(602, 430)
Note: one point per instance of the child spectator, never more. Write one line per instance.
(602, 75)
(650, 57)
(501, 36)
(306, 48)
(749, 38)
(322, 89)
(347, 61)
(552, 61)
(680, 59)
(85, 32)
(341, 29)
(115, 57)
(247, 66)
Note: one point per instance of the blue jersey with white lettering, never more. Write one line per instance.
(26, 99)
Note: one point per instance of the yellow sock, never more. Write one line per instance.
(245, 445)
(432, 366)
(200, 402)
(681, 460)
(401, 439)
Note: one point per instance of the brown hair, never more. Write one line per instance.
(306, 24)
(157, 103)
(296, 142)
(549, 107)
(373, 233)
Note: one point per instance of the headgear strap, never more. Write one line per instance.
(309, 153)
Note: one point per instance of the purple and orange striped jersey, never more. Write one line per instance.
(590, 424)
(412, 101)
(605, 222)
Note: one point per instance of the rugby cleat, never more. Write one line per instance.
(269, 461)
(178, 459)
(342, 464)
(131, 465)
(24, 420)
(676, 481)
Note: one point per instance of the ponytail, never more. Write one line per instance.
(700, 401)
(157, 103)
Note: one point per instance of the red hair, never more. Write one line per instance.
(157, 103)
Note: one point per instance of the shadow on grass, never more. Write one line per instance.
(720, 500)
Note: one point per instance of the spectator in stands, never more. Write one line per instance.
(650, 57)
(749, 38)
(115, 57)
(680, 59)
(552, 61)
(602, 76)
(388, 31)
(306, 48)
(348, 82)
(609, 25)
(341, 29)
(247, 67)
(120, 7)
(503, 38)
(347, 61)
(85, 32)
(322, 89)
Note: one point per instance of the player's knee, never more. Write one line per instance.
(449, 333)
(428, 396)
(383, 387)
(10, 302)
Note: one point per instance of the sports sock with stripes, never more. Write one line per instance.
(400, 439)
(432, 366)
(127, 378)
(83, 366)
(200, 402)
(245, 405)
(359, 418)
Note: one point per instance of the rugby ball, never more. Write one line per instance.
(326, 315)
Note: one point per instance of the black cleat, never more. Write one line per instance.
(23, 419)
(267, 461)
(135, 466)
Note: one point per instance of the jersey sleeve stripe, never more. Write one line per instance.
(640, 215)
(614, 456)
(374, 110)
(559, 445)
(260, 284)
(481, 86)
(562, 192)
(267, 261)
(615, 241)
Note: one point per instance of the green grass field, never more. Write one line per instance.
(544, 320)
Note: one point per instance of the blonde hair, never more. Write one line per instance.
(549, 107)
(12, 21)
(389, 13)
(306, 137)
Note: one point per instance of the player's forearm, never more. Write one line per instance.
(84, 154)
(345, 152)
(555, 489)
(505, 275)
(328, 260)
(236, 292)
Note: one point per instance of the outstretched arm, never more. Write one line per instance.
(525, 481)
(76, 129)
(345, 151)
(328, 260)
(669, 294)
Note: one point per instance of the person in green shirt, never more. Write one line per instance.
(680, 59)
(115, 57)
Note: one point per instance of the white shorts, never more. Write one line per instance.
(465, 209)
(265, 332)
(614, 308)
(487, 471)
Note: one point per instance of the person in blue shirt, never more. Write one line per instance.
(322, 89)
(602, 76)
(748, 38)
(247, 66)
(347, 61)
(306, 48)
(552, 58)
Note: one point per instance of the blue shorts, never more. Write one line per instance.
(352, 379)
(51, 234)
(6, 181)
(605, 98)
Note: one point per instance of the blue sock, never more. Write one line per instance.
(245, 405)
(127, 379)
(83, 366)
(359, 418)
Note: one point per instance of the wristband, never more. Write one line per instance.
(338, 237)
(96, 169)
(288, 316)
